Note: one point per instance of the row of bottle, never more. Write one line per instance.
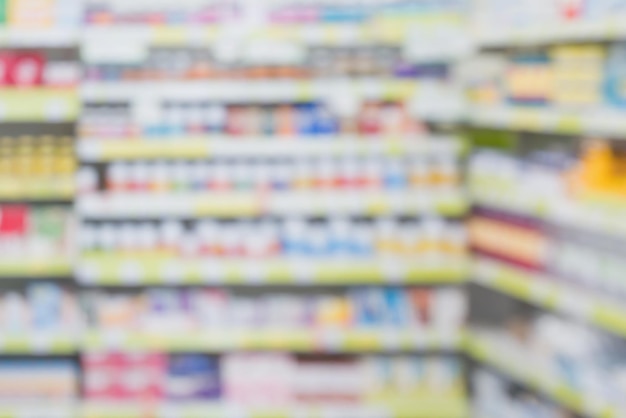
(172, 312)
(172, 118)
(32, 158)
(101, 12)
(266, 238)
(41, 309)
(272, 380)
(202, 64)
(375, 173)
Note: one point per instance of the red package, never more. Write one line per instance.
(14, 220)
(27, 70)
(6, 63)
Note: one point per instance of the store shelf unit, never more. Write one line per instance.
(300, 341)
(38, 104)
(36, 268)
(419, 408)
(33, 37)
(47, 409)
(482, 351)
(250, 91)
(228, 205)
(589, 213)
(109, 269)
(548, 293)
(611, 29)
(597, 121)
(105, 150)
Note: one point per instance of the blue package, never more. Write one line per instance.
(369, 306)
(193, 377)
(324, 123)
(394, 175)
(305, 117)
(397, 311)
(45, 300)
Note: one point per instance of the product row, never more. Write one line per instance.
(47, 309)
(203, 64)
(30, 233)
(178, 118)
(549, 178)
(271, 380)
(573, 76)
(99, 12)
(175, 311)
(40, 309)
(32, 158)
(578, 258)
(32, 68)
(32, 14)
(431, 237)
(280, 175)
(555, 351)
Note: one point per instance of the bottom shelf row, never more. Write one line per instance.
(235, 385)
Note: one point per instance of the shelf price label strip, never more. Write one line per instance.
(547, 293)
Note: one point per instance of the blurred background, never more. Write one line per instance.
(312, 208)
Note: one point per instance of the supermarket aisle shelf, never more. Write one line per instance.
(548, 293)
(601, 121)
(122, 205)
(48, 409)
(39, 190)
(428, 408)
(380, 31)
(484, 352)
(570, 32)
(254, 91)
(310, 341)
(32, 37)
(189, 35)
(588, 213)
(35, 268)
(96, 150)
(103, 269)
(38, 343)
(39, 104)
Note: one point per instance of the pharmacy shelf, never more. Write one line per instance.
(38, 343)
(418, 407)
(296, 340)
(392, 31)
(35, 268)
(38, 104)
(123, 205)
(550, 293)
(37, 190)
(252, 91)
(30, 409)
(202, 35)
(600, 121)
(39, 38)
(109, 149)
(555, 32)
(114, 270)
(587, 213)
(481, 350)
